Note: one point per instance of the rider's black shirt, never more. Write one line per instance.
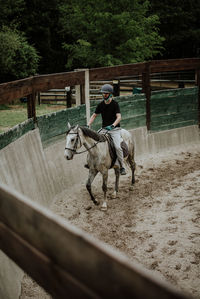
(108, 112)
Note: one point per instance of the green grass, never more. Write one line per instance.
(11, 115)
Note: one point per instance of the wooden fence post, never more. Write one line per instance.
(31, 111)
(181, 85)
(68, 96)
(116, 88)
(87, 95)
(78, 95)
(80, 91)
(197, 79)
(146, 88)
(38, 96)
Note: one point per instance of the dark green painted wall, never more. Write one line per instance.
(174, 108)
(16, 132)
(169, 109)
(54, 124)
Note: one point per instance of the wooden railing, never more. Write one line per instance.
(66, 261)
(81, 78)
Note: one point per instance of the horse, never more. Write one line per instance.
(99, 157)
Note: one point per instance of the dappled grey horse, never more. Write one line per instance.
(99, 157)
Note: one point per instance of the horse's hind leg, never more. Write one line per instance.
(132, 166)
(104, 188)
(92, 174)
(117, 174)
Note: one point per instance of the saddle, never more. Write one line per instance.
(112, 149)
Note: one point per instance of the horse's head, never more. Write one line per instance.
(73, 141)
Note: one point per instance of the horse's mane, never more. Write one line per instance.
(93, 134)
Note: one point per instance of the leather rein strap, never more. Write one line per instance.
(76, 143)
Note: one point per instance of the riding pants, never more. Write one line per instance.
(117, 139)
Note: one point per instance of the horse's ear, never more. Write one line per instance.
(76, 128)
(69, 126)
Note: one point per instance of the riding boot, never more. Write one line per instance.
(122, 171)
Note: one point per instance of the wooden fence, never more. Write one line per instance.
(66, 261)
(123, 87)
(67, 96)
(81, 78)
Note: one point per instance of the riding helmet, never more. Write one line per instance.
(107, 88)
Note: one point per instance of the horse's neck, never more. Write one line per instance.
(88, 141)
(92, 145)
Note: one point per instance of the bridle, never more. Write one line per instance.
(74, 150)
(76, 143)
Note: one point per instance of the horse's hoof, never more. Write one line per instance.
(104, 207)
(96, 202)
(114, 195)
(131, 188)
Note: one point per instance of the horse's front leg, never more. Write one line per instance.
(92, 174)
(117, 175)
(104, 188)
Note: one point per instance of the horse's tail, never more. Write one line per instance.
(131, 149)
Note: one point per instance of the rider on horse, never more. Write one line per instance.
(111, 117)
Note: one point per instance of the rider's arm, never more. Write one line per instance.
(118, 118)
(92, 118)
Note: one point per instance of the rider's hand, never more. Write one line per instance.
(109, 128)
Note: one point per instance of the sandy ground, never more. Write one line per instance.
(157, 223)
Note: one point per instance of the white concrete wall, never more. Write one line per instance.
(151, 143)
(65, 173)
(23, 166)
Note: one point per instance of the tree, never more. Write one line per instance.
(38, 20)
(11, 12)
(103, 33)
(41, 25)
(180, 25)
(18, 59)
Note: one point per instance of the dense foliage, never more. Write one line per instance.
(18, 59)
(180, 26)
(103, 33)
(61, 35)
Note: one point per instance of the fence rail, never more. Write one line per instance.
(31, 86)
(126, 86)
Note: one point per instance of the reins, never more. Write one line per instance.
(86, 149)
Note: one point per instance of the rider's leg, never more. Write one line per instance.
(117, 139)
